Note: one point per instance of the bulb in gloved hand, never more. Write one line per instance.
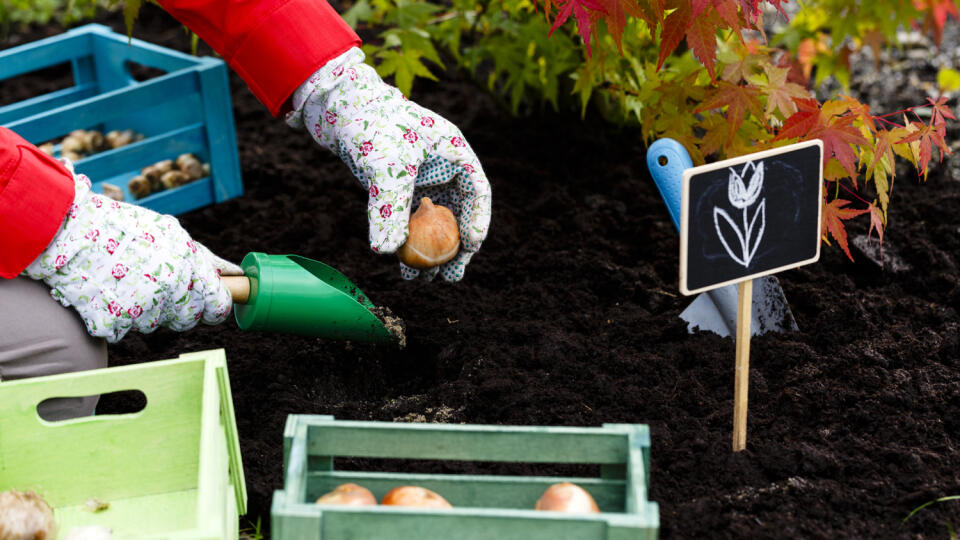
(434, 237)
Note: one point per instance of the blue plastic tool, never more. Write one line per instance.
(715, 310)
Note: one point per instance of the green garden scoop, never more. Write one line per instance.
(296, 295)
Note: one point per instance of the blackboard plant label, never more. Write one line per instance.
(750, 216)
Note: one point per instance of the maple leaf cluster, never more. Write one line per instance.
(696, 21)
(755, 97)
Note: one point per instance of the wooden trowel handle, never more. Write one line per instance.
(239, 287)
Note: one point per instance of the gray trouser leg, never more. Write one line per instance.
(38, 336)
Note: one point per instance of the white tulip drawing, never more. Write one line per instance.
(743, 196)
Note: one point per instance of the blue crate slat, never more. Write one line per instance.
(115, 104)
(185, 109)
(196, 194)
(43, 54)
(46, 102)
(110, 67)
(133, 157)
(140, 51)
(221, 137)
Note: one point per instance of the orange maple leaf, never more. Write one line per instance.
(876, 224)
(738, 100)
(780, 93)
(702, 39)
(750, 54)
(883, 148)
(651, 11)
(833, 216)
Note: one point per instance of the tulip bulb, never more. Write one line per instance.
(139, 186)
(350, 494)
(434, 236)
(92, 141)
(414, 496)
(567, 497)
(191, 166)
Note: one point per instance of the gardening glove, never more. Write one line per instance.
(399, 151)
(125, 267)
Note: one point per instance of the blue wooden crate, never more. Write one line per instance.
(186, 109)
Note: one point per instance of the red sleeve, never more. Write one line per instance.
(35, 193)
(274, 45)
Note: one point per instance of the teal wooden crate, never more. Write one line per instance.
(186, 109)
(171, 470)
(485, 506)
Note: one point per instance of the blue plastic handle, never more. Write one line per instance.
(666, 160)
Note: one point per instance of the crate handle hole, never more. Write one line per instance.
(57, 409)
(140, 72)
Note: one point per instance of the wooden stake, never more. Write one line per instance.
(741, 379)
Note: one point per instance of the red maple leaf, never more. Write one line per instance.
(802, 122)
(833, 216)
(616, 17)
(579, 10)
(702, 38)
(674, 28)
(937, 12)
(831, 126)
(927, 136)
(940, 113)
(752, 12)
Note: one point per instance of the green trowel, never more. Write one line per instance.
(296, 295)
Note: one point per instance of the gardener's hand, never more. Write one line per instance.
(125, 267)
(399, 151)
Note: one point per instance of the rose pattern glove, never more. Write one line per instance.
(125, 267)
(399, 151)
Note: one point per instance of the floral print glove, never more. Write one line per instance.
(125, 267)
(399, 151)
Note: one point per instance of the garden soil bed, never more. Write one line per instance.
(569, 316)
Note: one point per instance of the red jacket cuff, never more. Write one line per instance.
(274, 45)
(36, 192)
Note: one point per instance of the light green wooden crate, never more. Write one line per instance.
(171, 471)
(485, 506)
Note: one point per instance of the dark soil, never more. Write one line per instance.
(569, 316)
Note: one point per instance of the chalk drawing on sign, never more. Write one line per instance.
(743, 196)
